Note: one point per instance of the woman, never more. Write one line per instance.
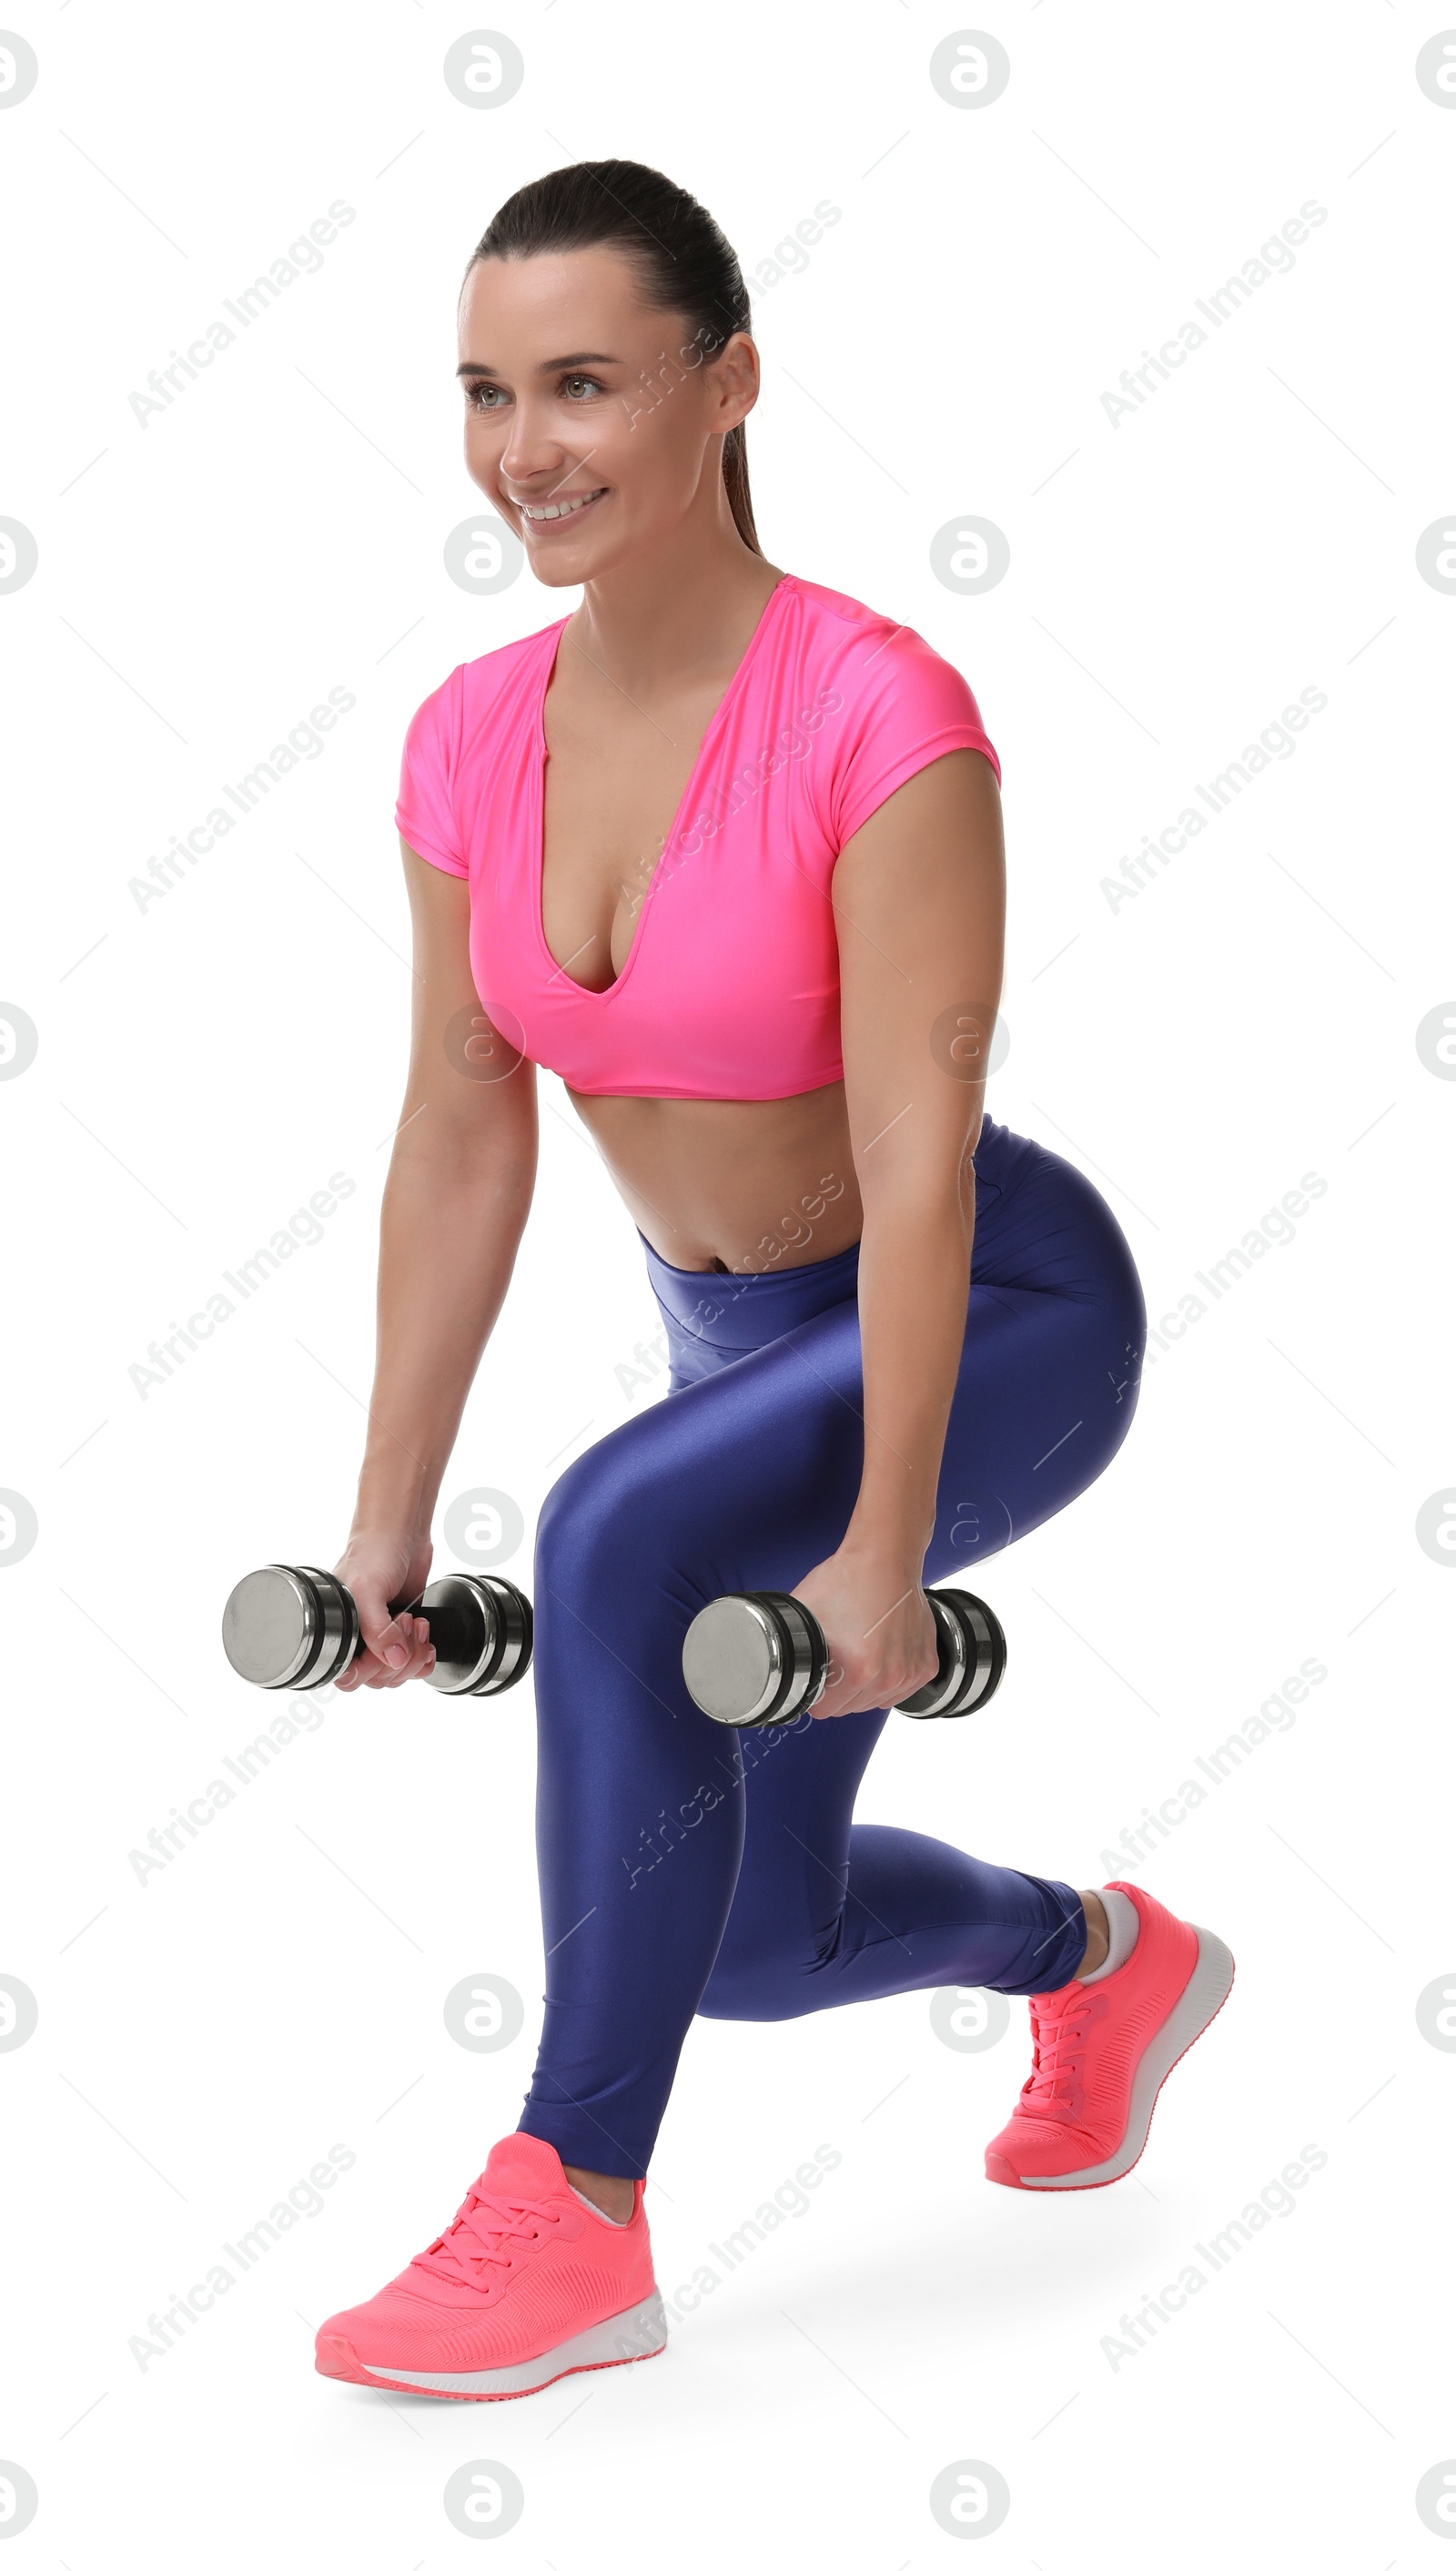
(723, 848)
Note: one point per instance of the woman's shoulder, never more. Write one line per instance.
(499, 681)
(469, 730)
(836, 605)
(893, 701)
(882, 667)
(875, 650)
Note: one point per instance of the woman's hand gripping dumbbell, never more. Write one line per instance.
(758, 1657)
(293, 1626)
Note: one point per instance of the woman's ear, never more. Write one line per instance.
(735, 375)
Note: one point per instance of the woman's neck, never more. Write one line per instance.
(682, 613)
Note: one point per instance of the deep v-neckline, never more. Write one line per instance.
(714, 721)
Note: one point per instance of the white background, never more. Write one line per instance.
(206, 1062)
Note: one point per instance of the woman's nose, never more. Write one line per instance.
(531, 450)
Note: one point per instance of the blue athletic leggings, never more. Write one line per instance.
(690, 1870)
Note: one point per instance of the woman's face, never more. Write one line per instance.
(577, 392)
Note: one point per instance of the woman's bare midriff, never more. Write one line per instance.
(741, 1185)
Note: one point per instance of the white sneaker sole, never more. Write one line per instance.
(1207, 1987)
(642, 2330)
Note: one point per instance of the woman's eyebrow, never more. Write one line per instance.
(548, 366)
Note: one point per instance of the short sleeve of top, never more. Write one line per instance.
(425, 812)
(906, 706)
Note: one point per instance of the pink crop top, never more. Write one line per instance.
(731, 987)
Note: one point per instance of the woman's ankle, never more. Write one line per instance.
(1097, 1934)
(614, 2196)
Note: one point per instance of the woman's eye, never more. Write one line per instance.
(492, 397)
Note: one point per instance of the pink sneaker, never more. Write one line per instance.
(1102, 2051)
(526, 2284)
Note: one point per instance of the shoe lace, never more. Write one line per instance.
(482, 2235)
(1056, 2035)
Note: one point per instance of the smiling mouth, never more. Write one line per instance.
(542, 512)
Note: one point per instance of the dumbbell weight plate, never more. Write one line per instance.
(340, 1638)
(754, 1658)
(972, 1657)
(481, 1628)
(289, 1626)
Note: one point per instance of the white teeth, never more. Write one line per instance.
(560, 509)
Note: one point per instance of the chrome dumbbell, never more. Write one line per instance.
(756, 1657)
(291, 1625)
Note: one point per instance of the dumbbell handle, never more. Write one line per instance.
(758, 1657)
(293, 1626)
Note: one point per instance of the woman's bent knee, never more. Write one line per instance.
(763, 1988)
(608, 1519)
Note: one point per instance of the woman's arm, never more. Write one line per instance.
(455, 1204)
(919, 898)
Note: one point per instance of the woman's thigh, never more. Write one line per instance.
(1044, 1393)
(1048, 1378)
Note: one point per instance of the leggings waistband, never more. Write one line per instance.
(734, 1313)
(737, 1313)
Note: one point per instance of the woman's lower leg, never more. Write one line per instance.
(614, 2195)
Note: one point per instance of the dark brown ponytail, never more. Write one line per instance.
(684, 264)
